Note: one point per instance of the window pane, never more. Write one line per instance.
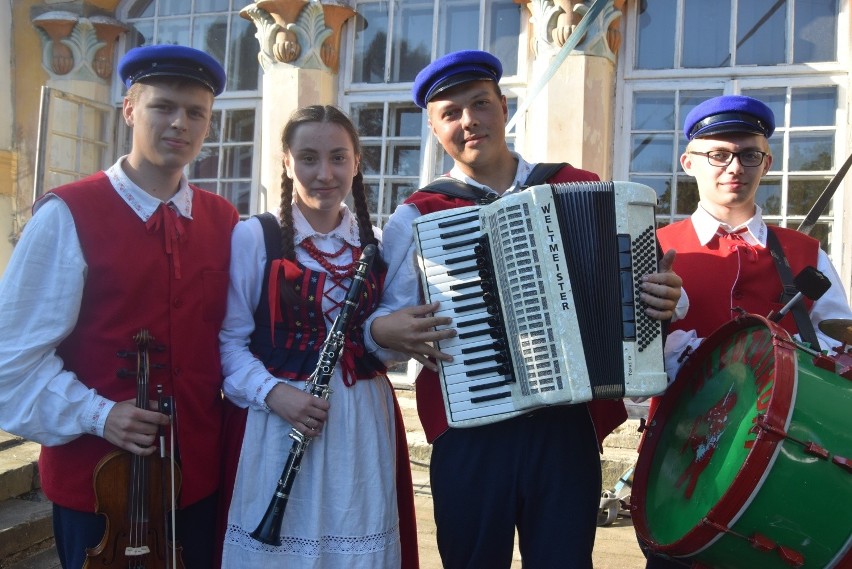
(398, 193)
(776, 149)
(372, 191)
(651, 153)
(215, 132)
(239, 126)
(371, 159)
(810, 151)
(656, 35)
(768, 196)
(803, 193)
(813, 107)
(761, 32)
(236, 161)
(820, 231)
(412, 40)
(368, 117)
(174, 7)
(243, 68)
(687, 195)
(211, 6)
(173, 31)
(706, 32)
(141, 33)
(239, 194)
(406, 120)
(210, 34)
(405, 160)
(663, 188)
(206, 165)
(653, 111)
(459, 21)
(815, 31)
(503, 31)
(370, 43)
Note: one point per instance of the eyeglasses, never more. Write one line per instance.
(721, 158)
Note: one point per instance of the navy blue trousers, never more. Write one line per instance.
(539, 473)
(75, 531)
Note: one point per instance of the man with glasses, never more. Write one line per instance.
(723, 249)
(728, 153)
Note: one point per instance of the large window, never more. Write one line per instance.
(227, 163)
(783, 52)
(388, 45)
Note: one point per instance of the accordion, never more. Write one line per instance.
(543, 290)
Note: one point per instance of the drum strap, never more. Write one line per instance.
(800, 315)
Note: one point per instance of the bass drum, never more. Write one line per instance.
(746, 462)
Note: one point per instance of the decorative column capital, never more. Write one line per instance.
(75, 47)
(302, 33)
(555, 20)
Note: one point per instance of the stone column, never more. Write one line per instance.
(572, 118)
(299, 53)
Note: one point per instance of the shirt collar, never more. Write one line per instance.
(143, 203)
(347, 230)
(706, 227)
(521, 174)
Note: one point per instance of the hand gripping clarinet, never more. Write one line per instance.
(269, 529)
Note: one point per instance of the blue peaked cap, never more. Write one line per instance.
(165, 60)
(729, 113)
(454, 69)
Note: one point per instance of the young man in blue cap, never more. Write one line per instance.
(728, 153)
(128, 249)
(538, 473)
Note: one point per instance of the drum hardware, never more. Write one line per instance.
(761, 543)
(810, 447)
(838, 328)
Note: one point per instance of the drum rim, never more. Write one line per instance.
(748, 480)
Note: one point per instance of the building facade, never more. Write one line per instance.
(608, 94)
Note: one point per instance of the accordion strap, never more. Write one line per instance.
(448, 186)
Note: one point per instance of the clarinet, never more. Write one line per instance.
(269, 529)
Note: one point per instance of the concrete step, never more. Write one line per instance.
(26, 527)
(26, 521)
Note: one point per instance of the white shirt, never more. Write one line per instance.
(830, 305)
(40, 296)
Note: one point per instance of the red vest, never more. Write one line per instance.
(710, 276)
(606, 414)
(177, 290)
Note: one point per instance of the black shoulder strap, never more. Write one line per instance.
(542, 172)
(271, 238)
(800, 315)
(456, 189)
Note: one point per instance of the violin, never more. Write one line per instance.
(135, 495)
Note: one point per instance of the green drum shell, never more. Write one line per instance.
(756, 481)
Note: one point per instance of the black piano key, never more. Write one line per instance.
(458, 221)
(496, 346)
(493, 397)
(461, 270)
(462, 259)
(467, 296)
(474, 334)
(490, 385)
(459, 244)
(458, 233)
(468, 284)
(474, 322)
(470, 307)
